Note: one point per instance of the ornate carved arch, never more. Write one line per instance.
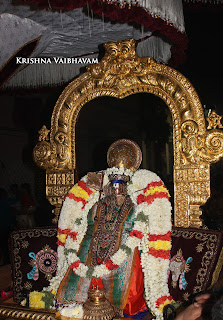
(119, 74)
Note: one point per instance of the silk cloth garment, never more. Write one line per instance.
(124, 286)
(135, 302)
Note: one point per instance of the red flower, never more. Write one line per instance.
(150, 198)
(153, 185)
(63, 231)
(73, 235)
(110, 265)
(78, 199)
(164, 254)
(162, 300)
(137, 234)
(140, 198)
(164, 237)
(60, 243)
(75, 264)
(82, 184)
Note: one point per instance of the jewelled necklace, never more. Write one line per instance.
(107, 236)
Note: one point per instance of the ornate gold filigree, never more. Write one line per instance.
(192, 189)
(58, 183)
(214, 120)
(18, 312)
(43, 133)
(197, 148)
(54, 154)
(122, 73)
(97, 307)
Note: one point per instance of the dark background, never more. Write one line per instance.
(204, 65)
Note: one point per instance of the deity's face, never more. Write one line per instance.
(119, 188)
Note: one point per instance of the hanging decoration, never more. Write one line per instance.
(75, 29)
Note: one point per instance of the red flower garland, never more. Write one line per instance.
(137, 234)
(154, 184)
(83, 185)
(164, 237)
(150, 198)
(60, 243)
(162, 300)
(73, 235)
(78, 199)
(75, 264)
(63, 231)
(110, 265)
(164, 254)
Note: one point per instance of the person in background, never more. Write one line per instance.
(205, 307)
(25, 219)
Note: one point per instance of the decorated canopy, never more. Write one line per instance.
(54, 28)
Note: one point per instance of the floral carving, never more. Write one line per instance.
(52, 154)
(214, 120)
(196, 148)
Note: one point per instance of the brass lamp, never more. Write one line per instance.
(97, 307)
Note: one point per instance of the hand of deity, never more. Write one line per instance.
(194, 311)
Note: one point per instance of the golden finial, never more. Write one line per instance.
(214, 120)
(43, 133)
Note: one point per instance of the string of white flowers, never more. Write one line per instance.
(121, 170)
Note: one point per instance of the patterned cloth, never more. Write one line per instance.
(196, 261)
(75, 288)
(33, 258)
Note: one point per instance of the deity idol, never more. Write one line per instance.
(115, 231)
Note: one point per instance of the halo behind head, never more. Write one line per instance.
(124, 153)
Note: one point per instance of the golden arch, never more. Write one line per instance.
(119, 74)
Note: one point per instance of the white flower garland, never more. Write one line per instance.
(158, 222)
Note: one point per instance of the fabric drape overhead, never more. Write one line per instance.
(76, 29)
